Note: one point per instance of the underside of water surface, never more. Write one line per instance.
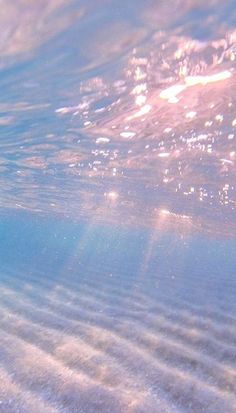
(117, 206)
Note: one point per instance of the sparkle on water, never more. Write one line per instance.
(118, 206)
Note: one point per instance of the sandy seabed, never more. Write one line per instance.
(110, 344)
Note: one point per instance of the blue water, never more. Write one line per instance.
(117, 207)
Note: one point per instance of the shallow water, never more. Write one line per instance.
(117, 206)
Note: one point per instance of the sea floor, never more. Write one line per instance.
(88, 338)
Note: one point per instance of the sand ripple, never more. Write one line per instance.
(100, 346)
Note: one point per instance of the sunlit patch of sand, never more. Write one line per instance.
(102, 347)
(15, 399)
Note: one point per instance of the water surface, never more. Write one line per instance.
(117, 206)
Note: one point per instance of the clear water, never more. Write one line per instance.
(117, 206)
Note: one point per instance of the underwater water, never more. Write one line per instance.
(117, 206)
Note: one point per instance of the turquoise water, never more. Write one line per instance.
(117, 207)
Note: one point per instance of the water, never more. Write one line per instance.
(117, 206)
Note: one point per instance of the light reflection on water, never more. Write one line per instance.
(122, 106)
(117, 197)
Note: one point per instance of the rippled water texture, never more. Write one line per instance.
(117, 206)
